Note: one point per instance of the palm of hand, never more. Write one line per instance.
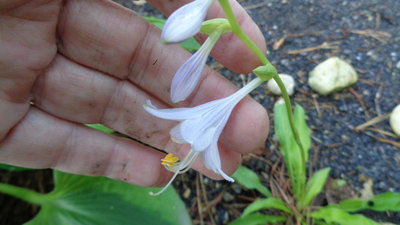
(94, 62)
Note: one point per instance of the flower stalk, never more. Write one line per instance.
(238, 31)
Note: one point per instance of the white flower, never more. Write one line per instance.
(188, 75)
(200, 127)
(186, 21)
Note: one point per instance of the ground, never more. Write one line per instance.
(300, 34)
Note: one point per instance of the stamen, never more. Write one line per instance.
(169, 160)
(191, 159)
(182, 166)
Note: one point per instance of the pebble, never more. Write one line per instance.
(228, 197)
(395, 120)
(186, 194)
(237, 188)
(398, 65)
(331, 75)
(287, 80)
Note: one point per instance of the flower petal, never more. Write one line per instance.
(186, 21)
(188, 75)
(180, 114)
(204, 140)
(176, 135)
(212, 161)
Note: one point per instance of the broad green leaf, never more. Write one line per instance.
(258, 219)
(388, 201)
(98, 200)
(100, 127)
(339, 216)
(314, 186)
(265, 203)
(190, 44)
(12, 168)
(250, 180)
(289, 148)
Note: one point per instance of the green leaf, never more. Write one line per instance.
(339, 216)
(98, 200)
(352, 205)
(388, 201)
(266, 203)
(12, 168)
(100, 127)
(190, 44)
(314, 186)
(250, 180)
(258, 219)
(290, 150)
(302, 128)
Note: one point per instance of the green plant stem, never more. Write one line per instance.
(238, 31)
(24, 194)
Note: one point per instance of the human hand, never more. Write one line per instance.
(87, 61)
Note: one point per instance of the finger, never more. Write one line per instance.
(76, 93)
(123, 45)
(229, 51)
(43, 141)
(27, 43)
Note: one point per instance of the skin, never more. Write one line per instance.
(91, 61)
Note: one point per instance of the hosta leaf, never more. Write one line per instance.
(97, 200)
(12, 168)
(101, 128)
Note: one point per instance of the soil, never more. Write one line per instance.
(300, 34)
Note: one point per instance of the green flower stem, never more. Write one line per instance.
(238, 31)
(24, 194)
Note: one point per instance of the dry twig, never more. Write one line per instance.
(324, 45)
(372, 121)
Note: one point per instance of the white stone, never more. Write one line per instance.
(395, 120)
(280, 101)
(398, 65)
(332, 75)
(288, 82)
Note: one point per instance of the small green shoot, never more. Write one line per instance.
(341, 217)
(259, 219)
(250, 180)
(266, 203)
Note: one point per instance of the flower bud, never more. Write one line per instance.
(186, 21)
(188, 75)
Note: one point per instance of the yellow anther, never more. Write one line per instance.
(169, 160)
